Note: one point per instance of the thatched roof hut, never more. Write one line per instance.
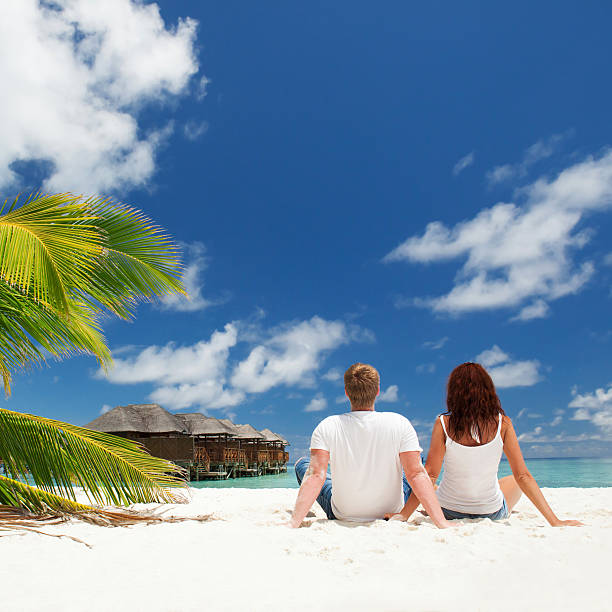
(270, 436)
(229, 424)
(285, 442)
(138, 418)
(199, 425)
(248, 432)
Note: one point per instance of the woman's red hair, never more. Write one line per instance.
(471, 402)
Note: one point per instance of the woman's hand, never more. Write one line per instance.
(569, 523)
(397, 516)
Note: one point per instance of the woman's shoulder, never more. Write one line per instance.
(505, 426)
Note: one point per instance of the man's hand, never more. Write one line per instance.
(311, 486)
(397, 516)
(567, 523)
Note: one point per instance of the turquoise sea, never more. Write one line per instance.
(548, 473)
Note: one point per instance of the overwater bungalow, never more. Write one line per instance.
(211, 446)
(277, 458)
(207, 447)
(161, 433)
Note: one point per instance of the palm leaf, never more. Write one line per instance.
(56, 248)
(111, 470)
(47, 246)
(27, 327)
(139, 262)
(64, 261)
(23, 507)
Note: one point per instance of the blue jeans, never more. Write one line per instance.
(325, 496)
(500, 514)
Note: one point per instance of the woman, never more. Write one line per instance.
(470, 438)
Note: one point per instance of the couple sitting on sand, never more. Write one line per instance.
(368, 451)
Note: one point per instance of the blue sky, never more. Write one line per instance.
(409, 186)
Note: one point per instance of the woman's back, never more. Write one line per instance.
(469, 483)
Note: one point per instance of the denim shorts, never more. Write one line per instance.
(500, 514)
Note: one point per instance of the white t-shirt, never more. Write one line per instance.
(364, 448)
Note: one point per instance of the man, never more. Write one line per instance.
(368, 451)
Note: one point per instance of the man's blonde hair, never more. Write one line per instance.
(361, 382)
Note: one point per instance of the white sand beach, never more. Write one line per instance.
(247, 560)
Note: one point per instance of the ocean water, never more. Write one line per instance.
(549, 473)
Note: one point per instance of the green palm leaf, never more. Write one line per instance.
(24, 507)
(64, 262)
(111, 470)
(17, 494)
(27, 327)
(47, 247)
(138, 262)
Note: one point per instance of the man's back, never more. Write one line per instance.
(364, 448)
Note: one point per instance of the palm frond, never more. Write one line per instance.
(47, 246)
(23, 506)
(110, 469)
(27, 327)
(56, 248)
(139, 262)
(64, 260)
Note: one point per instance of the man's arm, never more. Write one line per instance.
(435, 457)
(311, 485)
(422, 486)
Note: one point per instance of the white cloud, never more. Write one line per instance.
(521, 413)
(426, 368)
(534, 415)
(539, 309)
(595, 407)
(538, 435)
(530, 436)
(316, 404)
(333, 375)
(556, 421)
(193, 130)
(172, 364)
(437, 344)
(192, 280)
(203, 88)
(608, 259)
(208, 394)
(83, 72)
(463, 163)
(492, 356)
(390, 395)
(290, 356)
(508, 373)
(341, 399)
(518, 253)
(184, 376)
(199, 375)
(516, 374)
(535, 153)
(105, 408)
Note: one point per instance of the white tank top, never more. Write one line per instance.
(469, 482)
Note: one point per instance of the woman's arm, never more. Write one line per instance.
(422, 487)
(525, 480)
(437, 448)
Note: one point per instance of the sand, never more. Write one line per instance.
(247, 560)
